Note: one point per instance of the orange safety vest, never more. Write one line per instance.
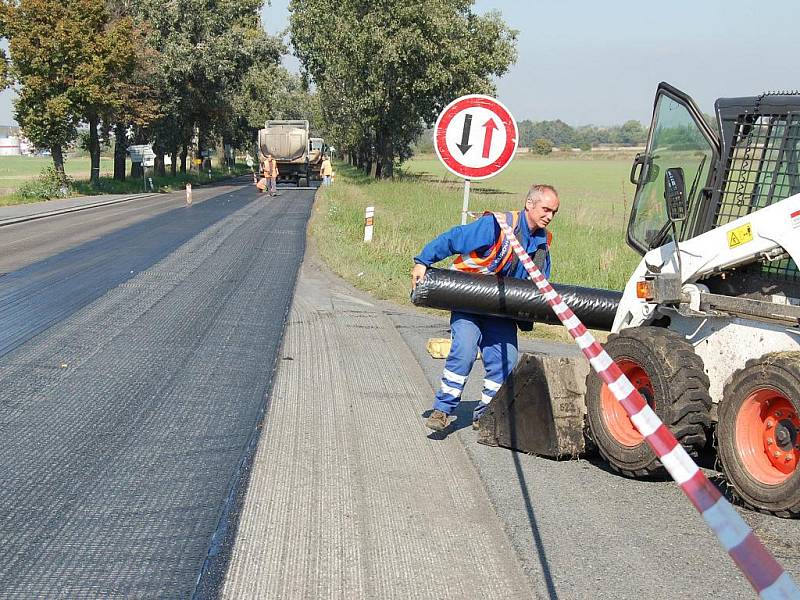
(270, 168)
(498, 255)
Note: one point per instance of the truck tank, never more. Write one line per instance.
(287, 142)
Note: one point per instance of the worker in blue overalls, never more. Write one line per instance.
(482, 247)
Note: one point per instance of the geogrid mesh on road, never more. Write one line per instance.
(124, 420)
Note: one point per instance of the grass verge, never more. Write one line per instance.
(108, 185)
(588, 248)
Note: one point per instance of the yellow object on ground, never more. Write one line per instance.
(439, 347)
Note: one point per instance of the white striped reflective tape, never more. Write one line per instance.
(491, 385)
(451, 391)
(601, 362)
(572, 322)
(550, 295)
(585, 340)
(782, 589)
(621, 388)
(560, 308)
(454, 377)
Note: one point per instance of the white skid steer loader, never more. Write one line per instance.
(708, 328)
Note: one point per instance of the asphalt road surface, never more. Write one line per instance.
(137, 347)
(166, 432)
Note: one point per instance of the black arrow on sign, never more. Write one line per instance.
(464, 146)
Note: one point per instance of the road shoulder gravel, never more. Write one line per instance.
(349, 497)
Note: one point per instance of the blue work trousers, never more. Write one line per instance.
(497, 340)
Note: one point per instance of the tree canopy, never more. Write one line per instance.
(384, 70)
(167, 72)
(559, 133)
(183, 74)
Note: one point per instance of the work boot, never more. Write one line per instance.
(438, 420)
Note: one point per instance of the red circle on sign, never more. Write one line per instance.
(462, 104)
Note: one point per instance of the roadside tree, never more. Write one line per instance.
(207, 47)
(384, 70)
(542, 146)
(73, 62)
(267, 91)
(43, 64)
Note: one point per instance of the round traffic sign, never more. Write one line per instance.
(475, 136)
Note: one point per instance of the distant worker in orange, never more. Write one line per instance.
(270, 167)
(326, 170)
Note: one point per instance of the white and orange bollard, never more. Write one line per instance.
(369, 218)
(188, 194)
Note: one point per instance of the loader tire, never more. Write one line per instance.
(668, 374)
(758, 434)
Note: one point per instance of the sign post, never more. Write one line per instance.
(142, 153)
(465, 206)
(475, 138)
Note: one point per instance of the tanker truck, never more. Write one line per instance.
(287, 142)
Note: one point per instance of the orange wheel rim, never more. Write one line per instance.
(767, 438)
(615, 417)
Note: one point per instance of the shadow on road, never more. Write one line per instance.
(538, 543)
(463, 420)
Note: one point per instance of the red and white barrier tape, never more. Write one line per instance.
(759, 566)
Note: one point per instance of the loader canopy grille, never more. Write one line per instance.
(761, 168)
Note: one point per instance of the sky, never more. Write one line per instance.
(598, 62)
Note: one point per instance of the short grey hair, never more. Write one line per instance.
(537, 190)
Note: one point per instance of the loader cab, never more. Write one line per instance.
(679, 139)
(751, 161)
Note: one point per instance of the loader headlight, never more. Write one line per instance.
(644, 290)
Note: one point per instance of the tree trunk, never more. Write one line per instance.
(184, 154)
(58, 160)
(137, 170)
(94, 152)
(173, 168)
(388, 168)
(227, 159)
(158, 163)
(120, 145)
(378, 166)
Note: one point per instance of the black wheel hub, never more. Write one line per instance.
(786, 435)
(647, 394)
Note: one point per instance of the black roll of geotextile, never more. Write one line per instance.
(514, 298)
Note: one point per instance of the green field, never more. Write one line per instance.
(16, 170)
(588, 246)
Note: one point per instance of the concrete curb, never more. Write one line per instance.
(61, 211)
(69, 209)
